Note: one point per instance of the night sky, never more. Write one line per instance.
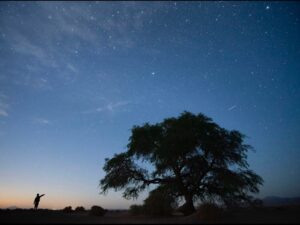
(76, 76)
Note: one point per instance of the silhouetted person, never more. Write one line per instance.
(37, 200)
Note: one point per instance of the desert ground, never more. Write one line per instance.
(278, 215)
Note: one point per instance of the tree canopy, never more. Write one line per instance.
(192, 158)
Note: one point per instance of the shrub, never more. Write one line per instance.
(136, 209)
(97, 211)
(80, 209)
(209, 211)
(159, 203)
(67, 209)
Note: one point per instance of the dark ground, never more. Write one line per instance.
(278, 215)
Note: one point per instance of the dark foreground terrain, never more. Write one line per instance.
(279, 215)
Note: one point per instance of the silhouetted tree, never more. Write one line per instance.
(192, 158)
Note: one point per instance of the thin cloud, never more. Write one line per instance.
(3, 106)
(23, 45)
(3, 112)
(42, 121)
(72, 68)
(70, 28)
(110, 107)
(232, 107)
(34, 81)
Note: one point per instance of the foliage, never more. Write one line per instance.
(97, 211)
(192, 157)
(159, 202)
(67, 209)
(80, 209)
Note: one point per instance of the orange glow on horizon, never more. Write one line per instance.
(49, 201)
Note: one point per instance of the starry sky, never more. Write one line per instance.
(76, 76)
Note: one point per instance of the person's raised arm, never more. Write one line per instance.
(42, 195)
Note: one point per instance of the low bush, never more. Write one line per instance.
(80, 209)
(97, 211)
(67, 209)
(159, 202)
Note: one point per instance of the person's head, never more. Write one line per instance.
(37, 194)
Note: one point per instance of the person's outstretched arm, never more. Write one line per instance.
(42, 195)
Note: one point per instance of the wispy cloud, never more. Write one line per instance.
(231, 107)
(3, 112)
(24, 44)
(3, 106)
(110, 107)
(38, 82)
(72, 68)
(42, 121)
(62, 32)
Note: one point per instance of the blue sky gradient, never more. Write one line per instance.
(76, 76)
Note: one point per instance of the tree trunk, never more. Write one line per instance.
(188, 207)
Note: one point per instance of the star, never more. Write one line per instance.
(267, 7)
